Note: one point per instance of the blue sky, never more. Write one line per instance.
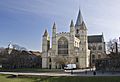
(23, 21)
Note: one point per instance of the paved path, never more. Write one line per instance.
(37, 74)
(64, 74)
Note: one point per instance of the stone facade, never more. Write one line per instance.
(96, 44)
(67, 47)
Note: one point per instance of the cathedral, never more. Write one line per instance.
(66, 47)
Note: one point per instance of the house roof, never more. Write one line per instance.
(95, 39)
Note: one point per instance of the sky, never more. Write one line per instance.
(23, 22)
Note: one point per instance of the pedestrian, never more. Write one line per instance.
(94, 72)
(86, 72)
(71, 71)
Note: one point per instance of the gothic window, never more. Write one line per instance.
(100, 47)
(82, 49)
(93, 61)
(76, 59)
(49, 59)
(50, 66)
(82, 31)
(99, 56)
(93, 56)
(89, 47)
(77, 31)
(48, 45)
(63, 46)
(94, 48)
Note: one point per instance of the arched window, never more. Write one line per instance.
(77, 31)
(99, 56)
(93, 56)
(94, 47)
(49, 59)
(100, 47)
(63, 46)
(76, 59)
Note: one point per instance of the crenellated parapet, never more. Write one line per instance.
(63, 34)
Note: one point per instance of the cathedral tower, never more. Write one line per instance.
(54, 39)
(81, 33)
(45, 48)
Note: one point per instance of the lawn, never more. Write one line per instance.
(31, 70)
(8, 78)
(83, 79)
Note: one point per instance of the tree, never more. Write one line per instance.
(61, 61)
(20, 48)
(113, 62)
(3, 55)
(112, 47)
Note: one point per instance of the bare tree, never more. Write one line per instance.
(17, 47)
(60, 61)
(110, 46)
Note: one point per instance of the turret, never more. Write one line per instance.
(54, 45)
(54, 30)
(45, 42)
(72, 28)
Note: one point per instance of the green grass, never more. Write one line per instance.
(31, 70)
(4, 78)
(83, 79)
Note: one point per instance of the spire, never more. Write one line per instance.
(71, 24)
(45, 33)
(54, 26)
(83, 26)
(79, 19)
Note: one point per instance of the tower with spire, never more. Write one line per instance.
(81, 33)
(45, 48)
(54, 45)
